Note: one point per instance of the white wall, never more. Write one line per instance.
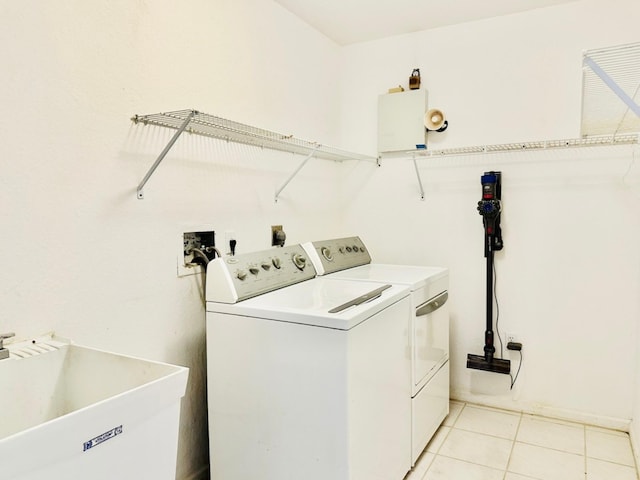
(80, 254)
(568, 276)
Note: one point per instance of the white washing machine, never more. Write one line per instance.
(307, 377)
(348, 258)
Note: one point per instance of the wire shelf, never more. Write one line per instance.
(223, 129)
(601, 140)
(595, 141)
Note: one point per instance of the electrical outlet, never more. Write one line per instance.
(192, 246)
(512, 337)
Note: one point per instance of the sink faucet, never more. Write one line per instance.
(4, 353)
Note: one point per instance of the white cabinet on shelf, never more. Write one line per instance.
(401, 121)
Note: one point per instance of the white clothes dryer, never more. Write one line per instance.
(348, 258)
(307, 377)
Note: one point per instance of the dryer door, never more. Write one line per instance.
(430, 338)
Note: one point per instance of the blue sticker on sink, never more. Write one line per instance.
(94, 442)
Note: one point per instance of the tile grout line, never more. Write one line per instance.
(437, 452)
(513, 446)
(453, 426)
(585, 449)
(609, 461)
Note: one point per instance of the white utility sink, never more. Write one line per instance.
(71, 412)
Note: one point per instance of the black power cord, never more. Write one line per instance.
(515, 346)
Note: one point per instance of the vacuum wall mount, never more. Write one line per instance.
(489, 208)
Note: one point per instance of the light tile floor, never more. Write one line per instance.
(479, 443)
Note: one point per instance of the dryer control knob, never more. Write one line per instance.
(326, 253)
(299, 261)
(276, 263)
(241, 275)
(266, 266)
(254, 270)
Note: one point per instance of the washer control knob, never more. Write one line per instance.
(276, 263)
(349, 249)
(299, 261)
(355, 249)
(326, 253)
(241, 275)
(341, 250)
(254, 270)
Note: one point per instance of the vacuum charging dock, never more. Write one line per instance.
(489, 207)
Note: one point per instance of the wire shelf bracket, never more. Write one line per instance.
(415, 164)
(295, 172)
(196, 122)
(174, 139)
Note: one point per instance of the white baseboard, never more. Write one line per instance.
(621, 424)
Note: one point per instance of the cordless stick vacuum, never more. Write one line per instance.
(489, 208)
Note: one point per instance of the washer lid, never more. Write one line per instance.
(316, 302)
(413, 276)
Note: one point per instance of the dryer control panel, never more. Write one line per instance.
(330, 256)
(232, 279)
